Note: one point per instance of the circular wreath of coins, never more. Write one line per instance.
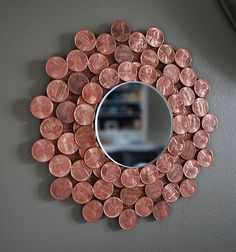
(67, 112)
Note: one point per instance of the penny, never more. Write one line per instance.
(191, 168)
(147, 74)
(66, 143)
(41, 107)
(84, 114)
(43, 150)
(129, 195)
(110, 172)
(200, 107)
(128, 219)
(144, 206)
(59, 165)
(137, 64)
(189, 150)
(76, 82)
(183, 58)
(85, 137)
(172, 71)
(188, 77)
(201, 138)
(77, 60)
(57, 90)
(176, 174)
(171, 192)
(106, 44)
(120, 31)
(123, 53)
(149, 174)
(94, 157)
(97, 62)
(205, 157)
(51, 128)
(176, 102)
(113, 207)
(61, 188)
(165, 163)
(85, 40)
(154, 37)
(180, 124)
(92, 93)
(188, 188)
(127, 71)
(108, 78)
(176, 145)
(97, 172)
(209, 122)
(102, 189)
(202, 88)
(65, 111)
(188, 95)
(166, 54)
(149, 57)
(80, 171)
(137, 42)
(130, 177)
(165, 85)
(154, 190)
(193, 123)
(56, 67)
(117, 183)
(161, 210)
(82, 192)
(92, 211)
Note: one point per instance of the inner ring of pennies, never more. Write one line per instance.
(67, 111)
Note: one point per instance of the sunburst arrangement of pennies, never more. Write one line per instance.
(67, 111)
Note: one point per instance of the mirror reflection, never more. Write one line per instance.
(133, 124)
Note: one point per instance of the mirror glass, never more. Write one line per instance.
(133, 124)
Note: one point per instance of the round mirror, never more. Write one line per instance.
(133, 124)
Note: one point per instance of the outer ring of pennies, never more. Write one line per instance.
(67, 111)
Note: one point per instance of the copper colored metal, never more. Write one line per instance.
(97, 172)
(128, 219)
(51, 128)
(188, 95)
(110, 172)
(188, 188)
(59, 165)
(144, 206)
(149, 57)
(137, 42)
(76, 82)
(120, 31)
(84, 114)
(193, 123)
(66, 143)
(43, 150)
(102, 189)
(127, 71)
(202, 88)
(147, 74)
(92, 211)
(61, 188)
(108, 78)
(94, 157)
(123, 53)
(106, 44)
(65, 111)
(41, 107)
(92, 93)
(166, 54)
(77, 60)
(176, 174)
(85, 40)
(176, 102)
(165, 85)
(165, 163)
(149, 174)
(180, 124)
(129, 195)
(172, 71)
(154, 190)
(188, 77)
(183, 58)
(97, 62)
(85, 137)
(56, 67)
(191, 169)
(57, 90)
(112, 207)
(82, 192)
(117, 183)
(200, 107)
(154, 37)
(130, 177)
(201, 139)
(189, 150)
(209, 122)
(205, 157)
(171, 192)
(80, 171)
(176, 145)
(161, 210)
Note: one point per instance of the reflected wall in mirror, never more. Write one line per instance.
(133, 124)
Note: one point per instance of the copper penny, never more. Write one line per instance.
(130, 177)
(97, 62)
(66, 143)
(205, 157)
(123, 53)
(106, 44)
(77, 60)
(120, 31)
(65, 111)
(85, 40)
(191, 168)
(202, 88)
(113, 207)
(200, 107)
(188, 95)
(154, 190)
(84, 114)
(43, 150)
(165, 163)
(57, 90)
(82, 192)
(129, 195)
(137, 42)
(149, 174)
(176, 145)
(154, 37)
(117, 183)
(61, 188)
(85, 137)
(176, 174)
(102, 189)
(176, 102)
(180, 124)
(144, 206)
(110, 172)
(94, 157)
(165, 85)
(147, 74)
(171, 192)
(128, 219)
(161, 210)
(193, 123)
(92, 211)
(127, 71)
(149, 57)
(108, 78)
(188, 77)
(80, 171)
(41, 107)
(209, 122)
(166, 54)
(188, 188)
(183, 58)
(97, 172)
(76, 82)
(51, 128)
(172, 71)
(201, 138)
(59, 165)
(189, 150)
(56, 67)
(92, 93)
